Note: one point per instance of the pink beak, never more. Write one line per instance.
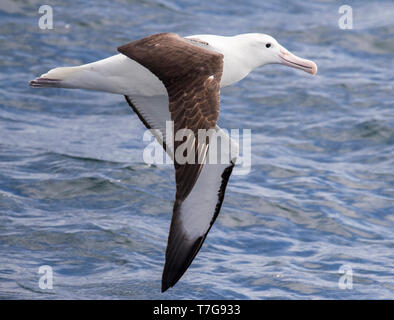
(291, 60)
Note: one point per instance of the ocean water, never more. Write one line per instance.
(76, 195)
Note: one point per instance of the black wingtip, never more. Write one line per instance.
(165, 286)
(179, 256)
(171, 274)
(166, 282)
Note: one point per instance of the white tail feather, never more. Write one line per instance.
(117, 74)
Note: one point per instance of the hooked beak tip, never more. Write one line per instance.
(291, 60)
(313, 69)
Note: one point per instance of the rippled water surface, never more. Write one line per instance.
(76, 195)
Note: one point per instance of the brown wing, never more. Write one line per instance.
(191, 75)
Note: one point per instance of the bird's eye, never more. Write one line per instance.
(268, 45)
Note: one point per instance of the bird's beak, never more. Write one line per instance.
(291, 60)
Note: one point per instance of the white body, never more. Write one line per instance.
(121, 75)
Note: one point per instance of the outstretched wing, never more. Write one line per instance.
(191, 75)
(192, 219)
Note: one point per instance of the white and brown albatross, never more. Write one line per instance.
(167, 77)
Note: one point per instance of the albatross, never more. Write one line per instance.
(166, 77)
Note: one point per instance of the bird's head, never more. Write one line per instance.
(264, 49)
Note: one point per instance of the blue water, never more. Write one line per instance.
(76, 195)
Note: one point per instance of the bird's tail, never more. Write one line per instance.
(57, 78)
(109, 75)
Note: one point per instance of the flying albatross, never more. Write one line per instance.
(167, 77)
